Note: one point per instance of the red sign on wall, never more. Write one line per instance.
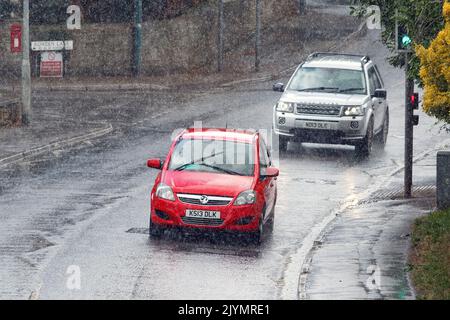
(51, 64)
(16, 38)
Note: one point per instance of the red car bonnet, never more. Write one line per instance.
(207, 183)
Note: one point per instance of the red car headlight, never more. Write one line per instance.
(245, 197)
(165, 192)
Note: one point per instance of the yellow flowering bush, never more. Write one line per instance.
(435, 71)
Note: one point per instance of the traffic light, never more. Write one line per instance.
(414, 101)
(404, 40)
(414, 105)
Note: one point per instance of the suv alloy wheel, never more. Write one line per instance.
(382, 136)
(364, 148)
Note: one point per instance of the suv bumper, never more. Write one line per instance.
(324, 129)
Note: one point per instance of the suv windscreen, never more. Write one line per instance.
(215, 156)
(329, 80)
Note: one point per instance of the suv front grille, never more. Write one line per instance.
(202, 221)
(332, 110)
(197, 200)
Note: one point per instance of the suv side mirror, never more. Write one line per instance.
(380, 93)
(155, 164)
(279, 87)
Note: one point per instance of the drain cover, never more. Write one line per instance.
(425, 191)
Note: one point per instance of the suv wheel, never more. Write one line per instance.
(283, 145)
(364, 148)
(155, 231)
(382, 136)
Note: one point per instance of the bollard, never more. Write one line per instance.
(443, 180)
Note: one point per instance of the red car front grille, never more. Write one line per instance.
(202, 221)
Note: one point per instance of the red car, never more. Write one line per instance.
(214, 179)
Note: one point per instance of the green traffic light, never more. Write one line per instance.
(406, 40)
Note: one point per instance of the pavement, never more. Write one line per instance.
(46, 133)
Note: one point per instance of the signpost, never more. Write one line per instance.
(51, 45)
(51, 64)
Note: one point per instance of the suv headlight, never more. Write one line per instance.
(246, 197)
(354, 111)
(285, 107)
(165, 192)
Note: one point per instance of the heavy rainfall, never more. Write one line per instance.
(223, 149)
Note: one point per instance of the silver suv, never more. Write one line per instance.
(333, 98)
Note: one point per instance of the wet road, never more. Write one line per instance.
(87, 209)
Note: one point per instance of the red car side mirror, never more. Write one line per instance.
(272, 172)
(155, 163)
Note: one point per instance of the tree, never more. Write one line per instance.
(422, 18)
(435, 71)
(9, 9)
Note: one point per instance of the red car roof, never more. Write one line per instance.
(220, 134)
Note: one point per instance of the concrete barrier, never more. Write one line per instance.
(443, 180)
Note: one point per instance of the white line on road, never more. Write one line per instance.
(54, 145)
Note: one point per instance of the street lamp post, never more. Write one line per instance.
(26, 72)
(220, 37)
(409, 136)
(137, 37)
(258, 35)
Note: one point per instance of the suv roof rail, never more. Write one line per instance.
(364, 59)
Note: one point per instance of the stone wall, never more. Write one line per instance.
(184, 43)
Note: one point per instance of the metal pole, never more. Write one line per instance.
(137, 37)
(26, 72)
(258, 35)
(220, 38)
(302, 6)
(409, 90)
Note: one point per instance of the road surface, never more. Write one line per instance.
(87, 209)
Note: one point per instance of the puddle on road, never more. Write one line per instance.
(204, 243)
(315, 181)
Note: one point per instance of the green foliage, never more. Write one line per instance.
(95, 11)
(8, 9)
(423, 19)
(430, 260)
(48, 12)
(435, 72)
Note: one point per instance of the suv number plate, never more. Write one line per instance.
(318, 125)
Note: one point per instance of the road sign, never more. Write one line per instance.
(52, 45)
(51, 64)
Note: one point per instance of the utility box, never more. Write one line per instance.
(443, 180)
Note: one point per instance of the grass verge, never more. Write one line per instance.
(430, 256)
